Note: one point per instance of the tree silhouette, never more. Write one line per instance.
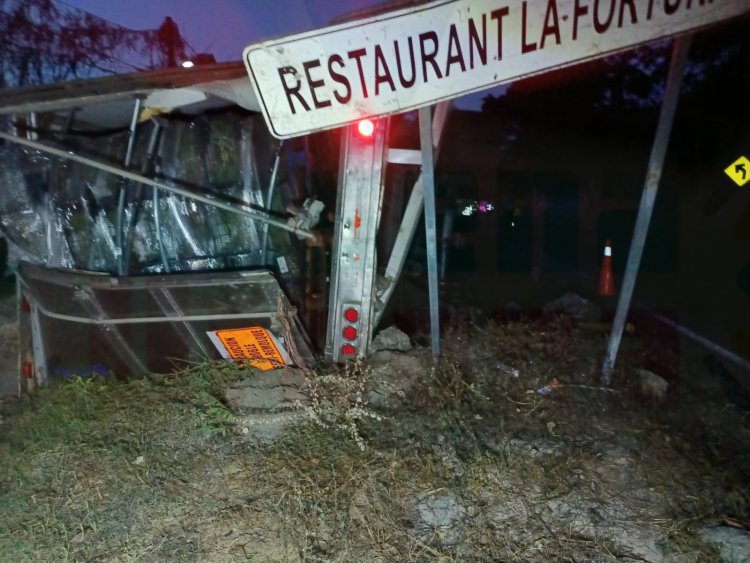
(616, 100)
(43, 41)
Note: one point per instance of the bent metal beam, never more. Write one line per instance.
(233, 208)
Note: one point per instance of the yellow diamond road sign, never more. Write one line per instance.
(739, 171)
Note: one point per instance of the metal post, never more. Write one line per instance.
(269, 198)
(428, 180)
(147, 169)
(159, 235)
(123, 195)
(41, 373)
(648, 197)
(354, 255)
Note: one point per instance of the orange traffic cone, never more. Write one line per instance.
(606, 281)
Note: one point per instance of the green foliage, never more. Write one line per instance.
(213, 418)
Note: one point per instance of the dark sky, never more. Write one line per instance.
(223, 27)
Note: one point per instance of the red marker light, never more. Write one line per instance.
(351, 315)
(348, 350)
(350, 333)
(366, 127)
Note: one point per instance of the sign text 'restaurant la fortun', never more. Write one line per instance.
(412, 58)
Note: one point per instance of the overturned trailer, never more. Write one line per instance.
(121, 191)
(152, 218)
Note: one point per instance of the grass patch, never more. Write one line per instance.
(475, 465)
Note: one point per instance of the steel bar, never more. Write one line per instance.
(159, 235)
(648, 197)
(146, 169)
(123, 193)
(705, 342)
(106, 321)
(430, 224)
(240, 209)
(33, 126)
(41, 372)
(410, 220)
(269, 197)
(359, 201)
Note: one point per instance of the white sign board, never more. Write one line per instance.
(416, 57)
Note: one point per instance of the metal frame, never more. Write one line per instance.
(648, 197)
(41, 374)
(353, 268)
(122, 196)
(412, 213)
(21, 327)
(354, 259)
(273, 310)
(430, 224)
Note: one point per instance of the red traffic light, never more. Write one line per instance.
(351, 315)
(350, 333)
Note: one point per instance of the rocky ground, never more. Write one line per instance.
(507, 449)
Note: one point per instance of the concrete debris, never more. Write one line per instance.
(652, 385)
(733, 544)
(641, 542)
(268, 403)
(574, 306)
(391, 338)
(439, 519)
(269, 391)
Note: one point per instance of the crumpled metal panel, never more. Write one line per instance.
(140, 324)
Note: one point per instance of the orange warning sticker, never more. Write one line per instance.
(255, 344)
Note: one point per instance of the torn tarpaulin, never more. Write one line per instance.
(84, 218)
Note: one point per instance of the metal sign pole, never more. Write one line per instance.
(428, 180)
(648, 197)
